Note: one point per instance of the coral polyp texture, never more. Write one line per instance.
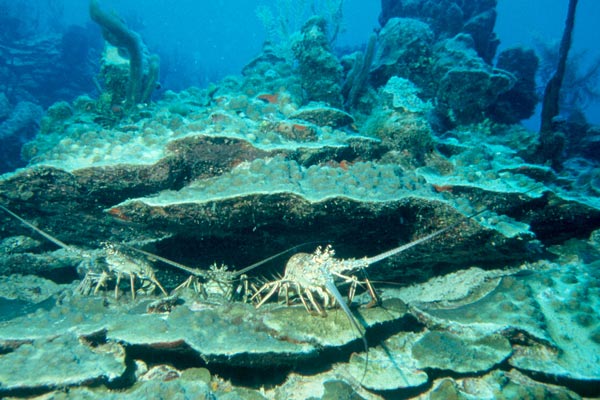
(143, 248)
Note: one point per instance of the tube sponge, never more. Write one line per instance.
(152, 78)
(116, 33)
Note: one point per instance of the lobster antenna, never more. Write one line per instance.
(193, 271)
(200, 273)
(338, 297)
(392, 252)
(266, 260)
(41, 232)
(399, 249)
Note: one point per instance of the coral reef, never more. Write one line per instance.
(283, 19)
(467, 85)
(18, 125)
(404, 49)
(401, 121)
(64, 361)
(497, 384)
(319, 70)
(357, 76)
(268, 73)
(143, 68)
(40, 63)
(446, 48)
(450, 323)
(485, 266)
(41, 60)
(21, 122)
(447, 18)
(519, 102)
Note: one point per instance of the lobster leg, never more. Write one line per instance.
(132, 283)
(275, 286)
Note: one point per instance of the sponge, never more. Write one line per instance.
(116, 33)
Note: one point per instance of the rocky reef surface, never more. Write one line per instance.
(519, 331)
(492, 310)
(499, 302)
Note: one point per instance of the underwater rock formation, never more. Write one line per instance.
(401, 121)
(450, 323)
(590, 145)
(519, 102)
(448, 18)
(65, 361)
(18, 125)
(240, 336)
(468, 86)
(34, 70)
(319, 70)
(324, 116)
(267, 73)
(215, 176)
(404, 49)
(446, 48)
(490, 291)
(55, 117)
(497, 384)
(4, 107)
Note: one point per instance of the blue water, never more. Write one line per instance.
(205, 41)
